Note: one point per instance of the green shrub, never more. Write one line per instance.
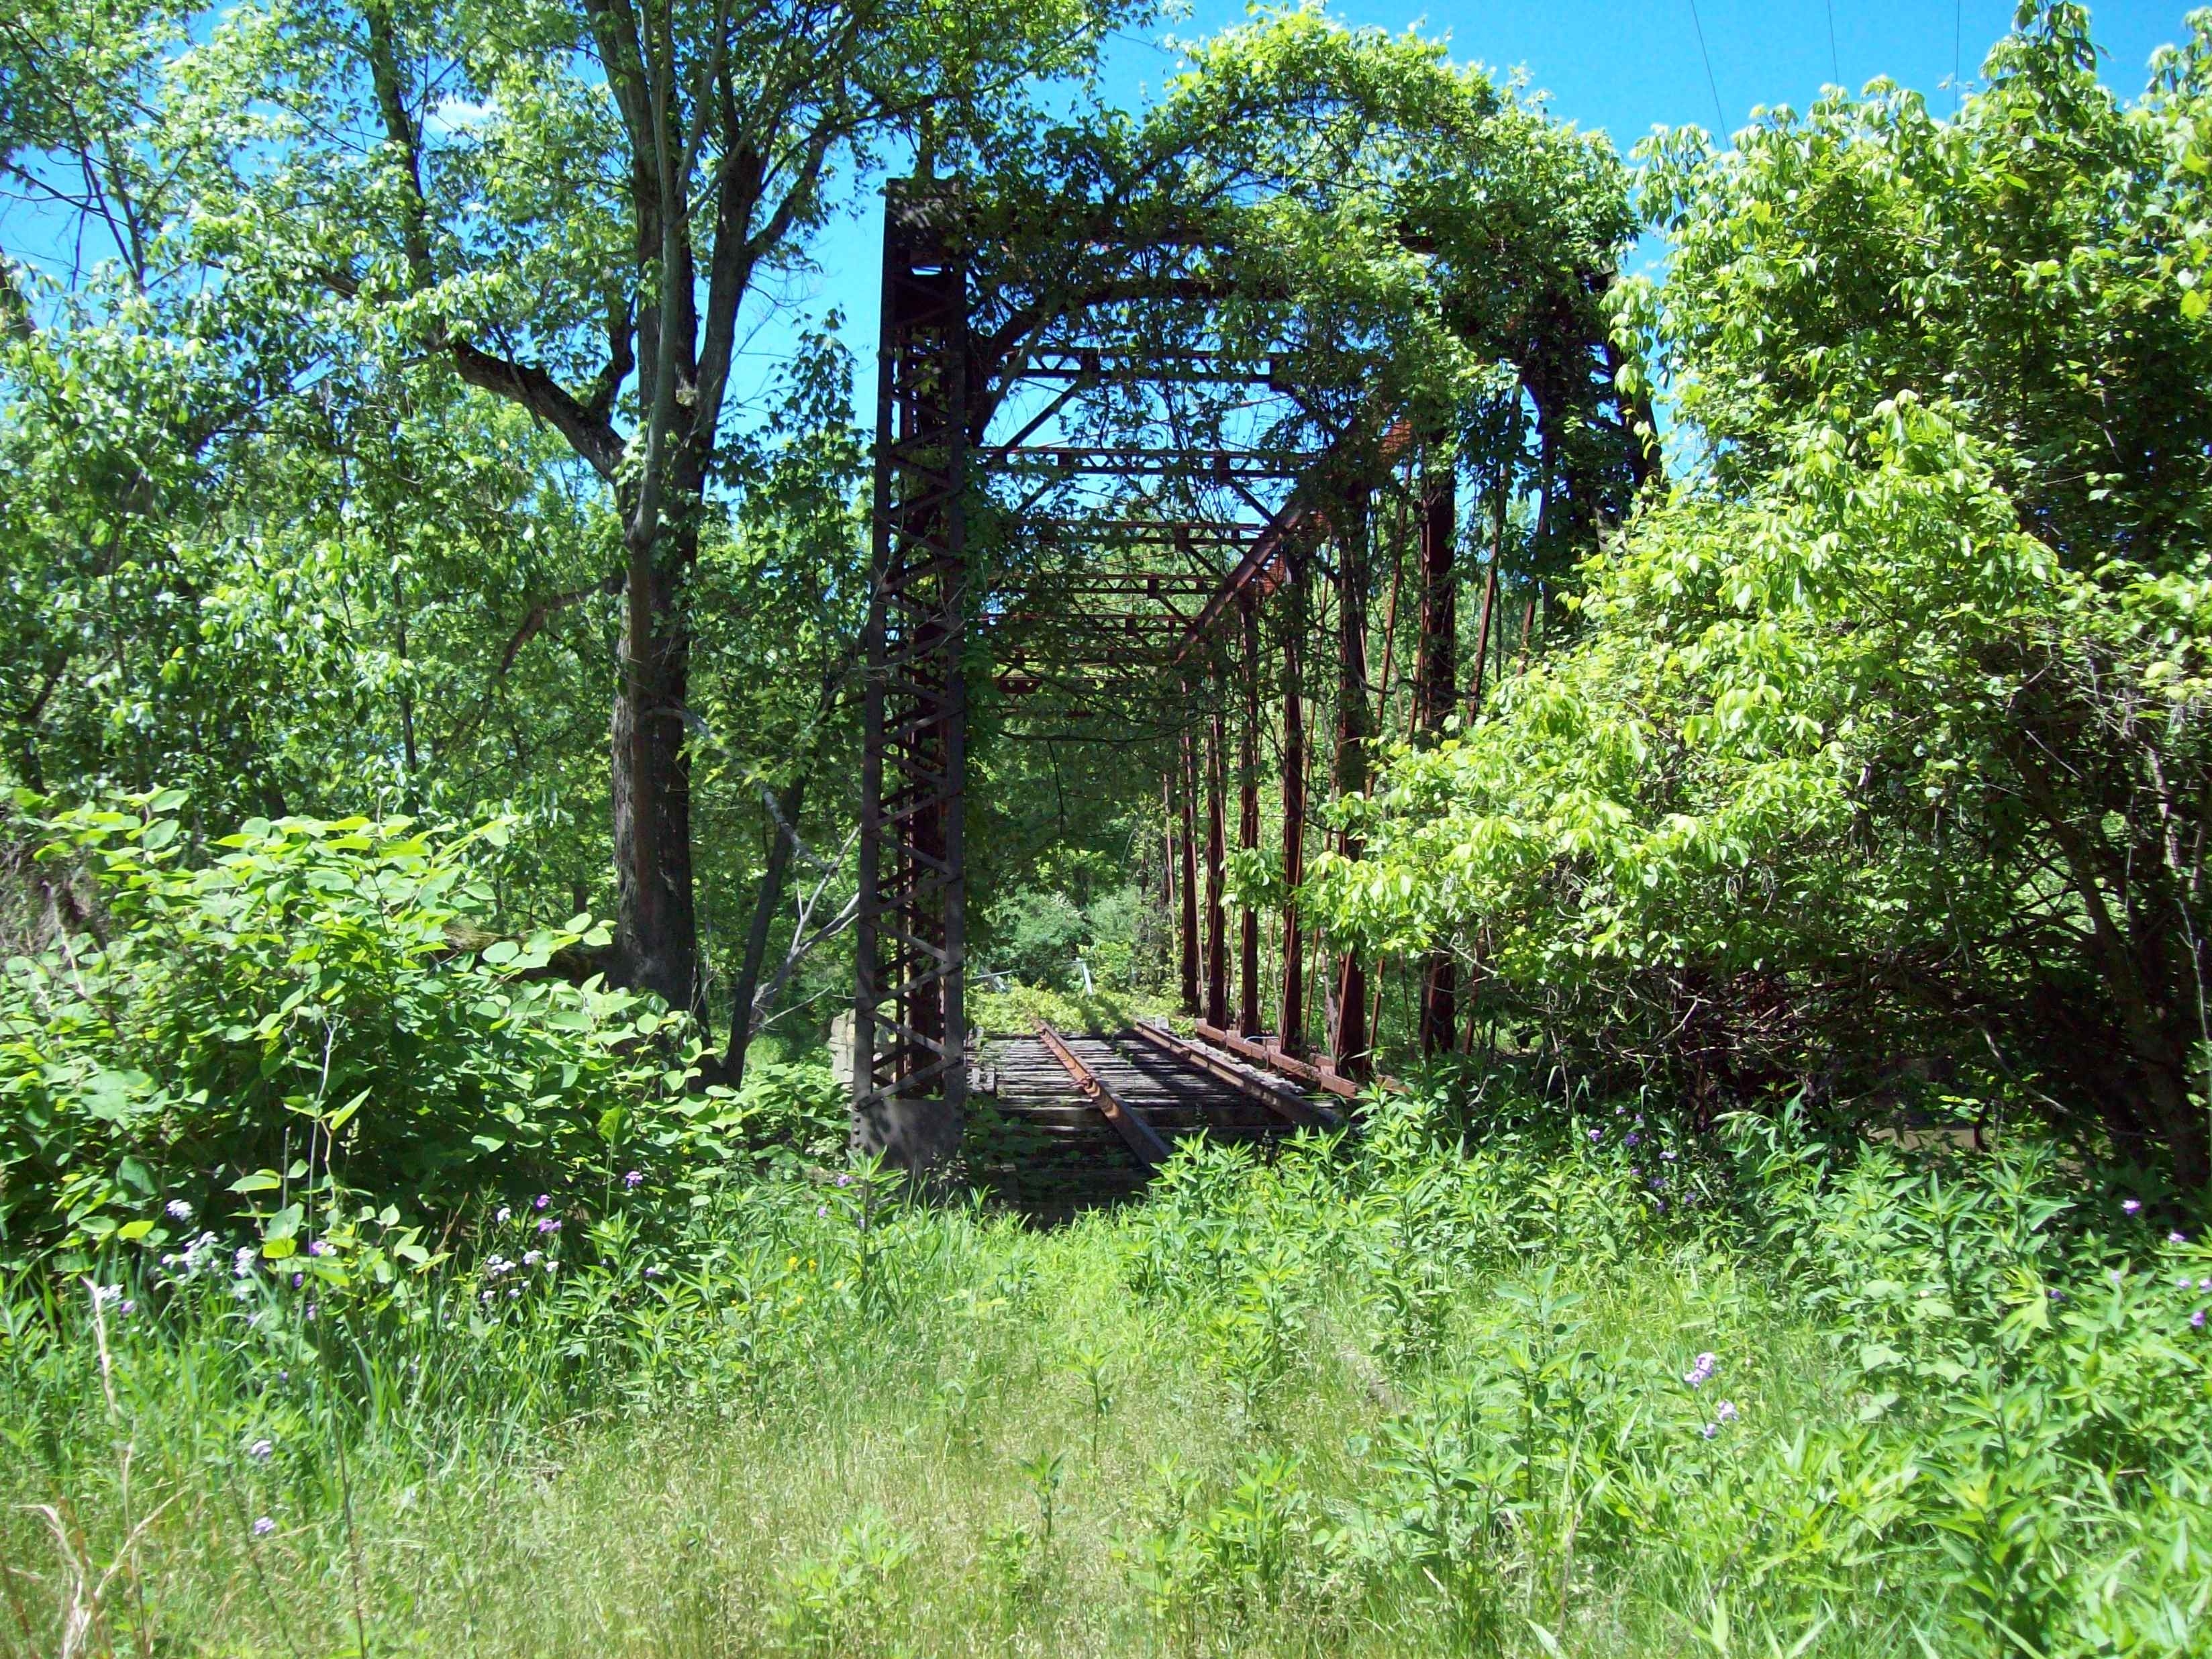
(310, 1010)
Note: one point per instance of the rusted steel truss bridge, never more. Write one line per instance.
(1114, 480)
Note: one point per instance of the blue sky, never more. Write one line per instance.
(1617, 66)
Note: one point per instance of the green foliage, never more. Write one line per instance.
(297, 1015)
(1881, 739)
(2031, 259)
(1771, 1388)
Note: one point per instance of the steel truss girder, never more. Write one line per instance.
(1218, 465)
(910, 1060)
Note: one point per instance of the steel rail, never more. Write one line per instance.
(1277, 1097)
(1142, 1138)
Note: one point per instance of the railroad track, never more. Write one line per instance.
(1063, 1122)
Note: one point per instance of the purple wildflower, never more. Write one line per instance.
(2177, 1237)
(844, 1181)
(821, 1210)
(634, 1179)
(504, 1216)
(313, 1310)
(1632, 1139)
(2131, 1205)
(1597, 1134)
(298, 1279)
(1701, 1372)
(1711, 1429)
(260, 1449)
(2196, 1320)
(544, 1202)
(548, 1226)
(263, 1527)
(317, 1246)
(1725, 1412)
(178, 1210)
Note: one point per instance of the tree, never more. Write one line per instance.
(1885, 736)
(570, 206)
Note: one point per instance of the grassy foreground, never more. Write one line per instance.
(1594, 1391)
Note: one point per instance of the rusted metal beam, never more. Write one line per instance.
(1180, 532)
(1132, 462)
(1139, 1136)
(1292, 1025)
(1279, 1098)
(1247, 820)
(909, 1066)
(1350, 1042)
(1266, 561)
(1217, 931)
(1189, 872)
(1260, 1053)
(1120, 364)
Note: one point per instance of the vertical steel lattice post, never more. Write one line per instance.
(909, 1068)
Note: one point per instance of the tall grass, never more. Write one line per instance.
(1408, 1395)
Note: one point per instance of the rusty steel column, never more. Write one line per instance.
(1247, 823)
(1167, 846)
(909, 1070)
(1291, 1027)
(1189, 871)
(1217, 931)
(1354, 724)
(1435, 687)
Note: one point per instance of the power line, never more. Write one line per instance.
(1958, 33)
(1835, 62)
(1719, 117)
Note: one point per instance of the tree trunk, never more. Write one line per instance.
(1437, 675)
(783, 825)
(656, 928)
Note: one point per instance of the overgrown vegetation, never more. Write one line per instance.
(1801, 1250)
(1584, 1383)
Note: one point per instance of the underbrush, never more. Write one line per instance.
(1592, 1388)
(1015, 1008)
(370, 1288)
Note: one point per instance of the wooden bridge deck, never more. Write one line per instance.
(1039, 1143)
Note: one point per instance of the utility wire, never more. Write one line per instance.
(1835, 62)
(1721, 129)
